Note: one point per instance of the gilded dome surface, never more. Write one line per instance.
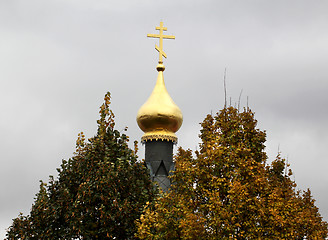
(159, 117)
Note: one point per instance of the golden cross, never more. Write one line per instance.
(161, 28)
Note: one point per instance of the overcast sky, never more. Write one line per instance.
(58, 58)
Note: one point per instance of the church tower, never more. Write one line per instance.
(159, 118)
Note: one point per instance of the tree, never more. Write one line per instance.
(229, 191)
(99, 193)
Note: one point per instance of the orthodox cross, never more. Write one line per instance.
(161, 28)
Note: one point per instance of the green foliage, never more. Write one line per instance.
(99, 193)
(228, 191)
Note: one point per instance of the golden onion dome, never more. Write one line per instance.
(159, 117)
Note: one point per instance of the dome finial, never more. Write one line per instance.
(161, 36)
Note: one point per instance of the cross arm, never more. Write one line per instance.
(159, 36)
